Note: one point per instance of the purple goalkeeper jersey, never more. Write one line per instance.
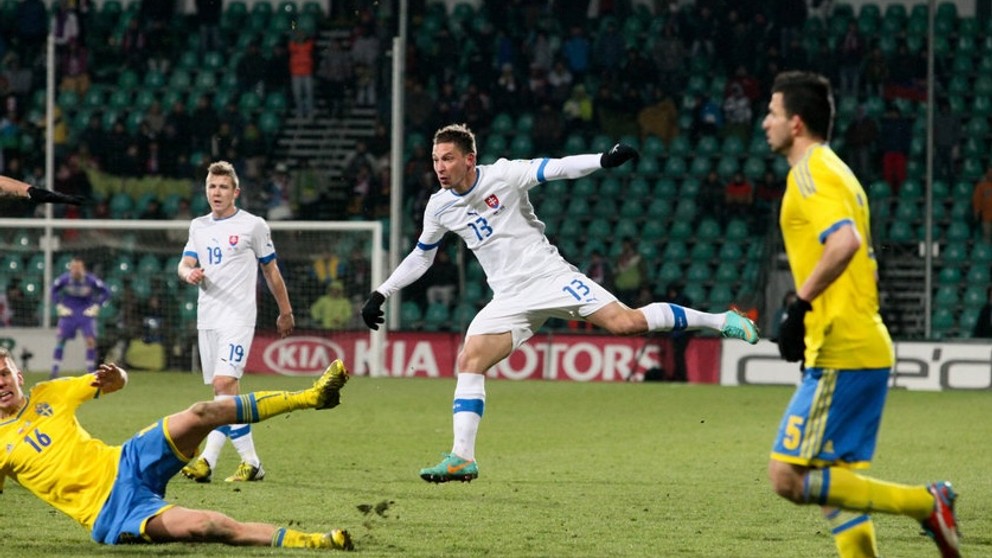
(78, 295)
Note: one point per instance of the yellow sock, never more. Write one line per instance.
(290, 538)
(847, 490)
(260, 405)
(854, 534)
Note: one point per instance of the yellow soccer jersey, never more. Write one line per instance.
(844, 330)
(47, 451)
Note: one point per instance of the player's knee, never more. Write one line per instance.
(210, 526)
(785, 484)
(630, 322)
(205, 411)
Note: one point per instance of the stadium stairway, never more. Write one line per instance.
(325, 139)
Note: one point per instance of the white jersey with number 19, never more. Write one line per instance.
(229, 250)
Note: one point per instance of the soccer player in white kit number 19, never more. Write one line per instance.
(222, 257)
(488, 206)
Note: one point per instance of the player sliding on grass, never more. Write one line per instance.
(117, 491)
(834, 328)
(488, 206)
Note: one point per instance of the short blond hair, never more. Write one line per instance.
(223, 168)
(5, 355)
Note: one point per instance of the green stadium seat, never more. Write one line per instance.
(900, 232)
(496, 144)
(727, 166)
(654, 228)
(121, 206)
(632, 208)
(205, 80)
(575, 144)
(503, 124)
(720, 297)
(647, 166)
(675, 251)
(754, 168)
(681, 229)
(958, 231)
(675, 167)
(974, 296)
(978, 274)
(668, 272)
(11, 265)
(702, 251)
(522, 147)
(698, 272)
(665, 188)
(128, 80)
(700, 167)
(967, 321)
(276, 101)
(981, 253)
(249, 102)
(686, 210)
(585, 187)
(637, 188)
(653, 147)
(410, 315)
(954, 253)
(708, 146)
(68, 100)
(730, 251)
(689, 188)
(949, 276)
(726, 272)
(437, 317)
(680, 147)
(709, 229)
(946, 296)
(943, 320)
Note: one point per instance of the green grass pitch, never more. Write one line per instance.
(566, 469)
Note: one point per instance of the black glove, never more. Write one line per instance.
(618, 155)
(792, 332)
(372, 310)
(42, 195)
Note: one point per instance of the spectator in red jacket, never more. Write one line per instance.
(301, 66)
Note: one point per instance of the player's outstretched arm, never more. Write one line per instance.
(16, 188)
(109, 378)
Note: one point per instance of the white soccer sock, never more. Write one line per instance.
(241, 438)
(662, 316)
(470, 401)
(211, 450)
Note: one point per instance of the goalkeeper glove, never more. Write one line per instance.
(63, 310)
(372, 312)
(42, 195)
(92, 311)
(792, 333)
(618, 155)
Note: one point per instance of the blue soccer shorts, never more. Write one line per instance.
(833, 418)
(148, 460)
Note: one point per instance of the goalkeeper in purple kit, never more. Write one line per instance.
(78, 297)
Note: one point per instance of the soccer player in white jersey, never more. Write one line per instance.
(488, 206)
(221, 257)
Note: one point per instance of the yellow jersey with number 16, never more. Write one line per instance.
(47, 451)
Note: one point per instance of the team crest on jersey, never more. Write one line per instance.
(232, 240)
(44, 409)
(492, 201)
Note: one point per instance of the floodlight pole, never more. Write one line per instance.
(396, 161)
(48, 239)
